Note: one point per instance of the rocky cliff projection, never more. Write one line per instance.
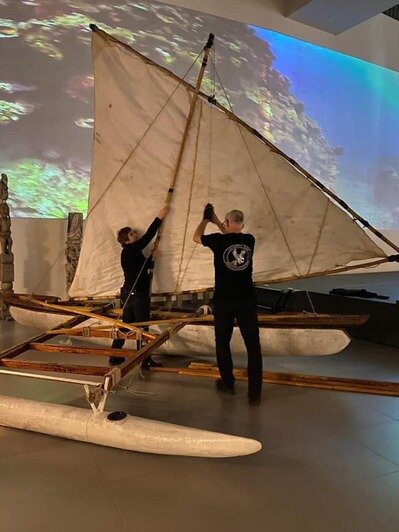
(336, 115)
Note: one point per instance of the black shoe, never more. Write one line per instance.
(254, 400)
(225, 388)
(115, 361)
(148, 363)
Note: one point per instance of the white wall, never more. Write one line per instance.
(39, 255)
(39, 244)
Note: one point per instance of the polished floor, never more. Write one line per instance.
(330, 460)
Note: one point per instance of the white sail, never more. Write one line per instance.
(140, 115)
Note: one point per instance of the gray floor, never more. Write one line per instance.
(330, 460)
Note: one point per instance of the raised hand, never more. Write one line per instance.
(209, 212)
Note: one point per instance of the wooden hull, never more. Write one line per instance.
(199, 340)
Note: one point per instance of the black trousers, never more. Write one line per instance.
(136, 309)
(245, 312)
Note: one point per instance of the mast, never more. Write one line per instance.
(169, 195)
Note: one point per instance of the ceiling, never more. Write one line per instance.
(335, 16)
(393, 12)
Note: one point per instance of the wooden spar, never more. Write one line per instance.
(98, 371)
(265, 320)
(89, 314)
(43, 337)
(100, 332)
(292, 379)
(368, 264)
(90, 351)
(190, 116)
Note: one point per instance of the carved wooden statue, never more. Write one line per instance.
(6, 255)
(73, 245)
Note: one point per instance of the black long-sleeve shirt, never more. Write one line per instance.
(132, 260)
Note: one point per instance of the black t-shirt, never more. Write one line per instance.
(132, 260)
(233, 254)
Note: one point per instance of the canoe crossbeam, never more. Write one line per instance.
(96, 391)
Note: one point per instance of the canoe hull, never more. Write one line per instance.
(199, 340)
(131, 433)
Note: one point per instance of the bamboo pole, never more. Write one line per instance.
(369, 264)
(190, 116)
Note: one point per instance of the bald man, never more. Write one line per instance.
(234, 297)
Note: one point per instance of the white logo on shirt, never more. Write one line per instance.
(237, 257)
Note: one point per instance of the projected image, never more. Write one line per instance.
(337, 116)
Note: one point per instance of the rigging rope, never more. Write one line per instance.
(170, 191)
(319, 235)
(259, 177)
(266, 194)
(47, 273)
(57, 259)
(142, 137)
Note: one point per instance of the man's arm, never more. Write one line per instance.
(215, 220)
(199, 232)
(152, 230)
(209, 216)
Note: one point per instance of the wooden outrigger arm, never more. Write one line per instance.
(96, 391)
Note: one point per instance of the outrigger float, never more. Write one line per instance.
(158, 134)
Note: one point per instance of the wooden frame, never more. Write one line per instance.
(96, 392)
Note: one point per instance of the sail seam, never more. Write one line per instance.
(319, 235)
(270, 203)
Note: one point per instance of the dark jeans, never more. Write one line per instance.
(245, 312)
(136, 309)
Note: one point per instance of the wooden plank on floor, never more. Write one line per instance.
(344, 384)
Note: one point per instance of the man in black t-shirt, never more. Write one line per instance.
(234, 297)
(135, 292)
